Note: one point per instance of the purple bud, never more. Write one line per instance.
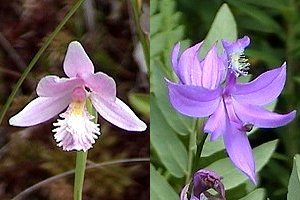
(203, 181)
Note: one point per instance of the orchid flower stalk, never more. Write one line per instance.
(76, 130)
(209, 88)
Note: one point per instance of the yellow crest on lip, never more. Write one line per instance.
(77, 108)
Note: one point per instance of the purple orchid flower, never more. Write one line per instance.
(208, 88)
(76, 131)
(203, 180)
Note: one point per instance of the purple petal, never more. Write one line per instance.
(193, 101)
(77, 63)
(39, 110)
(239, 150)
(237, 46)
(264, 89)
(216, 123)
(174, 57)
(102, 84)
(230, 83)
(183, 194)
(261, 117)
(117, 113)
(188, 69)
(213, 69)
(51, 86)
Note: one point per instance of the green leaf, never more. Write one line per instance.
(240, 191)
(212, 147)
(223, 27)
(278, 4)
(167, 145)
(232, 176)
(294, 183)
(262, 19)
(140, 102)
(258, 194)
(163, 41)
(296, 79)
(181, 124)
(153, 6)
(158, 43)
(155, 23)
(159, 187)
(165, 30)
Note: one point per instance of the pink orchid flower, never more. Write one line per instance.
(76, 131)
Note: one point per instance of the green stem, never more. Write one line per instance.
(200, 144)
(191, 152)
(79, 174)
(36, 58)
(196, 144)
(142, 37)
(81, 160)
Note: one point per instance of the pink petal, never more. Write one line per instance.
(117, 113)
(239, 150)
(261, 117)
(40, 110)
(193, 101)
(264, 89)
(216, 123)
(77, 63)
(51, 86)
(102, 84)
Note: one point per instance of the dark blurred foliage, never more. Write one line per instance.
(30, 155)
(274, 29)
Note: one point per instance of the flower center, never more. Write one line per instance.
(77, 108)
(76, 131)
(239, 63)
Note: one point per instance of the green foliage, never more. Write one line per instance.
(160, 188)
(169, 148)
(165, 31)
(294, 183)
(232, 177)
(223, 27)
(258, 194)
(261, 20)
(140, 102)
